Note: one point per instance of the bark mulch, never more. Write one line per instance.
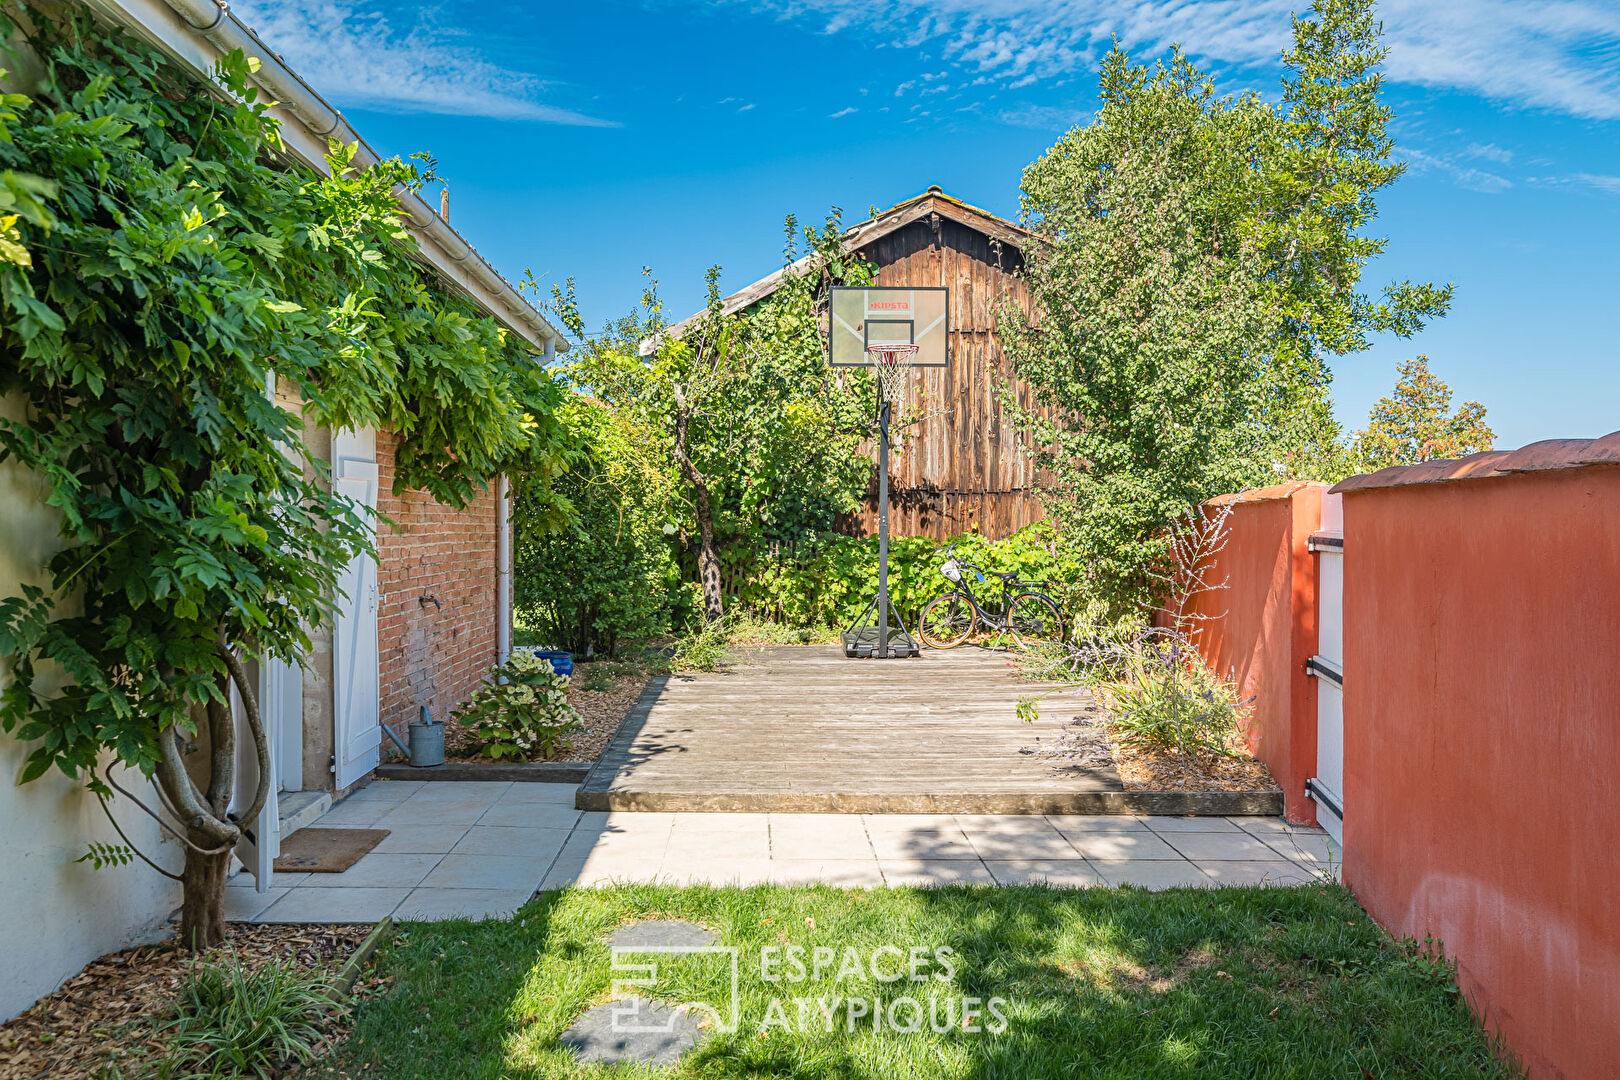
(106, 1015)
(601, 710)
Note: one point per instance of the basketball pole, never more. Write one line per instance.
(883, 529)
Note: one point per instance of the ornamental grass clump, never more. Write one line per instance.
(232, 1022)
(522, 711)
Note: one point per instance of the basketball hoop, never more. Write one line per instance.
(892, 361)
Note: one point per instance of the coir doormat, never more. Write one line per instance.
(325, 851)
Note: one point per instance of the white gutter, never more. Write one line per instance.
(196, 33)
(503, 570)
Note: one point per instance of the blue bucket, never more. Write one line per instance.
(561, 662)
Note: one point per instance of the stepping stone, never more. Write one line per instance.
(633, 1030)
(661, 932)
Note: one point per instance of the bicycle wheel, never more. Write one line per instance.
(946, 622)
(1034, 620)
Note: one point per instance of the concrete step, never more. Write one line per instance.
(300, 808)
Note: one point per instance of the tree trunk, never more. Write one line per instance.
(708, 559)
(708, 554)
(202, 899)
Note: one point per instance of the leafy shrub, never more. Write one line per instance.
(1166, 698)
(230, 1022)
(521, 711)
(608, 576)
(829, 584)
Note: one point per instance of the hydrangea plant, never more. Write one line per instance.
(521, 711)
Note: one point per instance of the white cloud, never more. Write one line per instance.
(749, 107)
(1489, 152)
(352, 55)
(1607, 184)
(842, 112)
(1550, 54)
(1043, 117)
(1466, 176)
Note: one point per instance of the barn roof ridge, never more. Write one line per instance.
(903, 213)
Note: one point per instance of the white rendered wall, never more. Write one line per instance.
(60, 915)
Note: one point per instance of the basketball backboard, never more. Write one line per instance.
(875, 315)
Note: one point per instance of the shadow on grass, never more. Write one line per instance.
(1251, 982)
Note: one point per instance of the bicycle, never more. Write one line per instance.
(1029, 615)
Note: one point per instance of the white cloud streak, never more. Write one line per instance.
(1558, 55)
(355, 57)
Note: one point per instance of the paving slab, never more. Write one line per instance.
(1015, 838)
(426, 905)
(1150, 873)
(917, 836)
(487, 872)
(507, 840)
(819, 836)
(358, 905)
(245, 905)
(278, 879)
(411, 812)
(858, 873)
(1089, 824)
(549, 794)
(378, 871)
(1227, 846)
(1119, 846)
(1305, 847)
(418, 839)
(362, 814)
(934, 872)
(632, 1031)
(732, 836)
(1161, 824)
(1256, 872)
(1058, 873)
(656, 933)
(716, 871)
(532, 815)
(563, 873)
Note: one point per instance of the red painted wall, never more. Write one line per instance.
(433, 656)
(1482, 747)
(1261, 629)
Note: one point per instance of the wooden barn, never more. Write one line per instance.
(959, 467)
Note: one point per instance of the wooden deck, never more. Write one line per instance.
(803, 729)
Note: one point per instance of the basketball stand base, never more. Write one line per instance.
(861, 640)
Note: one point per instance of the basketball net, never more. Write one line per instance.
(892, 361)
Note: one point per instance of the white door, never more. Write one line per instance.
(354, 653)
(1327, 786)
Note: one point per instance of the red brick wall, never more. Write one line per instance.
(432, 656)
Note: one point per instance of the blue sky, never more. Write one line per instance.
(593, 138)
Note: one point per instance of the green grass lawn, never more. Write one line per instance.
(1236, 982)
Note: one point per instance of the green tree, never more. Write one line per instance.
(606, 576)
(1202, 256)
(761, 436)
(1416, 423)
(171, 279)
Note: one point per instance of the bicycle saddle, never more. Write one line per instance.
(1008, 576)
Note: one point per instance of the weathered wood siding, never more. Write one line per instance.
(960, 466)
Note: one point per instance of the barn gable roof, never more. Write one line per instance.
(917, 208)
